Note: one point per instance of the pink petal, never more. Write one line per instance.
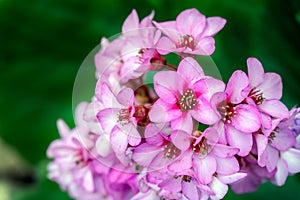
(134, 137)
(220, 189)
(182, 164)
(165, 45)
(190, 22)
(273, 157)
(108, 118)
(261, 142)
(190, 190)
(144, 154)
(274, 108)
(228, 179)
(213, 26)
(131, 22)
(271, 87)
(105, 95)
(181, 139)
(246, 119)
(63, 128)
(152, 135)
(169, 28)
(227, 166)
(102, 145)
(208, 86)
(284, 139)
(204, 113)
(240, 140)
(184, 123)
(119, 140)
(147, 21)
(255, 72)
(292, 158)
(266, 121)
(88, 182)
(224, 151)
(164, 112)
(126, 97)
(166, 88)
(190, 70)
(238, 82)
(173, 185)
(205, 46)
(205, 168)
(281, 173)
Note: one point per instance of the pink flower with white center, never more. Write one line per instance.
(191, 33)
(139, 53)
(265, 92)
(204, 156)
(184, 96)
(238, 120)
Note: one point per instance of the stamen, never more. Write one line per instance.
(186, 178)
(187, 41)
(273, 135)
(257, 96)
(227, 111)
(171, 151)
(123, 117)
(188, 101)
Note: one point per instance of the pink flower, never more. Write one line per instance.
(184, 96)
(138, 53)
(191, 33)
(73, 166)
(265, 92)
(158, 151)
(117, 118)
(204, 156)
(238, 120)
(108, 60)
(255, 175)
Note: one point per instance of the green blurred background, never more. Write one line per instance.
(43, 43)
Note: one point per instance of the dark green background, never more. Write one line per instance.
(43, 43)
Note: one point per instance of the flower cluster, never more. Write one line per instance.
(184, 135)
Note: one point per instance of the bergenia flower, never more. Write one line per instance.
(158, 151)
(73, 166)
(191, 33)
(117, 118)
(134, 141)
(204, 155)
(238, 120)
(139, 54)
(265, 92)
(184, 96)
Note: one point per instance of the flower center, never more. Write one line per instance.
(186, 178)
(124, 116)
(227, 111)
(256, 95)
(273, 135)
(170, 151)
(188, 100)
(202, 147)
(187, 41)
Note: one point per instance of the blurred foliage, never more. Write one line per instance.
(43, 43)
